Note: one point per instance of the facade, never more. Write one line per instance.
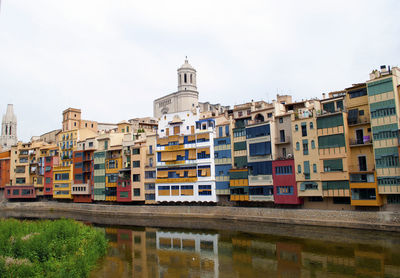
(4, 169)
(72, 121)
(223, 155)
(383, 99)
(333, 148)
(48, 159)
(362, 173)
(8, 136)
(82, 187)
(285, 187)
(185, 167)
(306, 157)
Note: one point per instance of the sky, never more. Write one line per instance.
(113, 58)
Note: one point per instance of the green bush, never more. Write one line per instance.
(61, 248)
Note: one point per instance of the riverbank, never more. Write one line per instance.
(371, 220)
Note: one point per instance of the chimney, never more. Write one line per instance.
(323, 95)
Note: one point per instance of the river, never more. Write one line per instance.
(168, 252)
(171, 247)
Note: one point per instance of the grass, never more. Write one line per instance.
(60, 248)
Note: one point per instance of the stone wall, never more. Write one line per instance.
(374, 220)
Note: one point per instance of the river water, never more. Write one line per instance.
(315, 252)
(180, 247)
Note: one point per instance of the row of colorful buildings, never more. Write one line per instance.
(337, 152)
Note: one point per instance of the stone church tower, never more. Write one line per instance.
(8, 129)
(185, 99)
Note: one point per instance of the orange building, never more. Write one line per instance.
(4, 168)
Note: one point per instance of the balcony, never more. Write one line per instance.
(358, 121)
(281, 141)
(366, 141)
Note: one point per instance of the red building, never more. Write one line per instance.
(4, 169)
(124, 187)
(285, 188)
(49, 163)
(20, 192)
(82, 186)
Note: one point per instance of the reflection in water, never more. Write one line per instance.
(152, 252)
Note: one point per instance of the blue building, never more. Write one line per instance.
(223, 158)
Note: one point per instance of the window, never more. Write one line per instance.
(227, 130)
(112, 164)
(204, 190)
(136, 192)
(284, 190)
(296, 127)
(136, 177)
(312, 144)
(303, 129)
(123, 194)
(311, 125)
(258, 131)
(280, 120)
(220, 131)
(262, 148)
(48, 180)
(297, 146)
(150, 174)
(269, 115)
(361, 112)
(333, 165)
(283, 170)
(305, 147)
(314, 168)
(136, 164)
(299, 168)
(78, 177)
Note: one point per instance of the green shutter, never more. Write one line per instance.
(239, 146)
(331, 141)
(333, 165)
(306, 167)
(240, 161)
(238, 175)
(380, 86)
(330, 121)
(327, 185)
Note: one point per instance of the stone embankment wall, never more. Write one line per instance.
(374, 220)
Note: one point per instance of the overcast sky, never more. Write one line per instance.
(113, 58)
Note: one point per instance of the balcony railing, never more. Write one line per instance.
(358, 121)
(360, 142)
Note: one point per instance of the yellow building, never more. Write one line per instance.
(113, 165)
(67, 144)
(62, 182)
(333, 149)
(306, 156)
(363, 184)
(25, 165)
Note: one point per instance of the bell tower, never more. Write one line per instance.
(187, 78)
(8, 136)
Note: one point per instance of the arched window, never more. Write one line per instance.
(297, 146)
(185, 78)
(311, 125)
(296, 127)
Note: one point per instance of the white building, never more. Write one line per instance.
(185, 158)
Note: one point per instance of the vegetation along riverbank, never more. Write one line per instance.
(61, 248)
